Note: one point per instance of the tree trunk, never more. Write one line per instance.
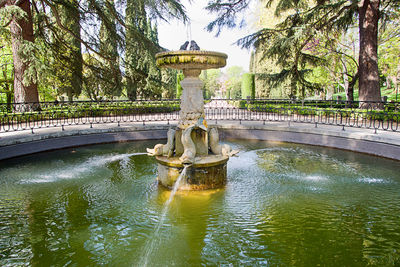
(22, 30)
(369, 89)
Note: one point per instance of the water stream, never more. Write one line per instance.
(76, 170)
(154, 239)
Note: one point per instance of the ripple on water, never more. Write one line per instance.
(283, 205)
(65, 171)
(369, 180)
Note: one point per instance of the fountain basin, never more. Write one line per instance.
(208, 172)
(99, 205)
(197, 60)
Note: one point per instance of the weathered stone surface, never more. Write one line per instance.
(186, 60)
(384, 144)
(200, 139)
(167, 175)
(178, 143)
(192, 138)
(208, 172)
(192, 102)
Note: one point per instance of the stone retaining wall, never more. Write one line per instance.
(358, 141)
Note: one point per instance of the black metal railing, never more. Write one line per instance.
(370, 115)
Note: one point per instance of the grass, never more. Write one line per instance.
(390, 93)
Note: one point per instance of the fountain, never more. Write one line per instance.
(285, 203)
(192, 142)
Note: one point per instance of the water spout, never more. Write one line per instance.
(154, 240)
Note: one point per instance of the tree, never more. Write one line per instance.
(303, 20)
(21, 29)
(211, 82)
(111, 78)
(389, 51)
(248, 87)
(179, 89)
(368, 12)
(234, 81)
(105, 32)
(135, 58)
(6, 72)
(68, 64)
(168, 83)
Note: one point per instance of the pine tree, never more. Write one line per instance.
(304, 21)
(67, 52)
(58, 27)
(143, 78)
(134, 21)
(6, 72)
(111, 79)
(21, 29)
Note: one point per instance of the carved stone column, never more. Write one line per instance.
(192, 102)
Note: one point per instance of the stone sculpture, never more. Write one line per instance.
(218, 149)
(189, 151)
(193, 46)
(184, 46)
(164, 150)
(195, 143)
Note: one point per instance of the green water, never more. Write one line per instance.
(284, 205)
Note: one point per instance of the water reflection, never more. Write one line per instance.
(283, 205)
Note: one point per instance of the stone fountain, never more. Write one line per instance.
(192, 142)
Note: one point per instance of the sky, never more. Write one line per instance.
(173, 34)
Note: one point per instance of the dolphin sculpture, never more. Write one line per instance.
(164, 150)
(218, 149)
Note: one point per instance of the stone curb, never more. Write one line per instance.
(384, 144)
(322, 131)
(58, 134)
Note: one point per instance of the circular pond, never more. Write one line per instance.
(284, 204)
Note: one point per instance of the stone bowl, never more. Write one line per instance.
(191, 59)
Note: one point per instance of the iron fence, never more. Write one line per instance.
(370, 115)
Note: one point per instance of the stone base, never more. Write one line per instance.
(207, 172)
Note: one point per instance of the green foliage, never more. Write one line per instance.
(389, 50)
(234, 82)
(290, 43)
(168, 83)
(108, 32)
(143, 78)
(88, 109)
(66, 55)
(7, 13)
(179, 78)
(211, 82)
(6, 71)
(110, 75)
(248, 85)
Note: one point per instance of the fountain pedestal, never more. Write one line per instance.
(207, 172)
(192, 143)
(192, 102)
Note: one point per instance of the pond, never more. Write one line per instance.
(284, 204)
